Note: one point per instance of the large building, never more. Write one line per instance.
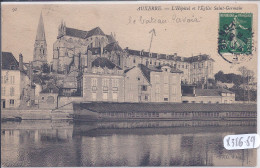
(153, 84)
(102, 81)
(40, 46)
(15, 83)
(195, 69)
(73, 43)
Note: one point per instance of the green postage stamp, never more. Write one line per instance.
(235, 36)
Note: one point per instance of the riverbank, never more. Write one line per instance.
(35, 114)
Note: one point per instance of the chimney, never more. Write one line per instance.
(20, 62)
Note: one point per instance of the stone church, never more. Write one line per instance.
(75, 50)
(79, 48)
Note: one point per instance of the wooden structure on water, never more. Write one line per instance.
(105, 111)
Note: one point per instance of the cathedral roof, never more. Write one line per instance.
(75, 32)
(84, 34)
(113, 47)
(9, 61)
(104, 62)
(40, 36)
(95, 31)
(110, 39)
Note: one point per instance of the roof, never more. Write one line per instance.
(104, 62)
(146, 71)
(95, 31)
(197, 58)
(75, 32)
(9, 61)
(211, 92)
(110, 39)
(51, 88)
(113, 47)
(162, 107)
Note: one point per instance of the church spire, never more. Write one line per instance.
(40, 46)
(40, 36)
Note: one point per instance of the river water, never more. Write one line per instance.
(64, 143)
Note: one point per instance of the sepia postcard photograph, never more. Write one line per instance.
(129, 84)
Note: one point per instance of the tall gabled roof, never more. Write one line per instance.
(40, 36)
(146, 71)
(9, 61)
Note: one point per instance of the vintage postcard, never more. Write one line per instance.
(129, 84)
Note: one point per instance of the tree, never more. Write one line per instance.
(45, 68)
(220, 76)
(248, 81)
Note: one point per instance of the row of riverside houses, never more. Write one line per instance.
(103, 81)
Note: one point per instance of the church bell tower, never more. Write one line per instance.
(40, 46)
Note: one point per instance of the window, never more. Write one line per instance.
(93, 82)
(105, 94)
(146, 97)
(115, 96)
(42, 98)
(11, 91)
(11, 102)
(94, 96)
(193, 101)
(5, 79)
(144, 88)
(3, 91)
(133, 60)
(115, 82)
(138, 78)
(165, 99)
(12, 79)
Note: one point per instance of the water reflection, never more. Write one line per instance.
(164, 143)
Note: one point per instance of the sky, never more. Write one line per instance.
(19, 27)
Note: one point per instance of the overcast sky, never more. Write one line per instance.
(19, 26)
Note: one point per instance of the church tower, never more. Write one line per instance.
(40, 46)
